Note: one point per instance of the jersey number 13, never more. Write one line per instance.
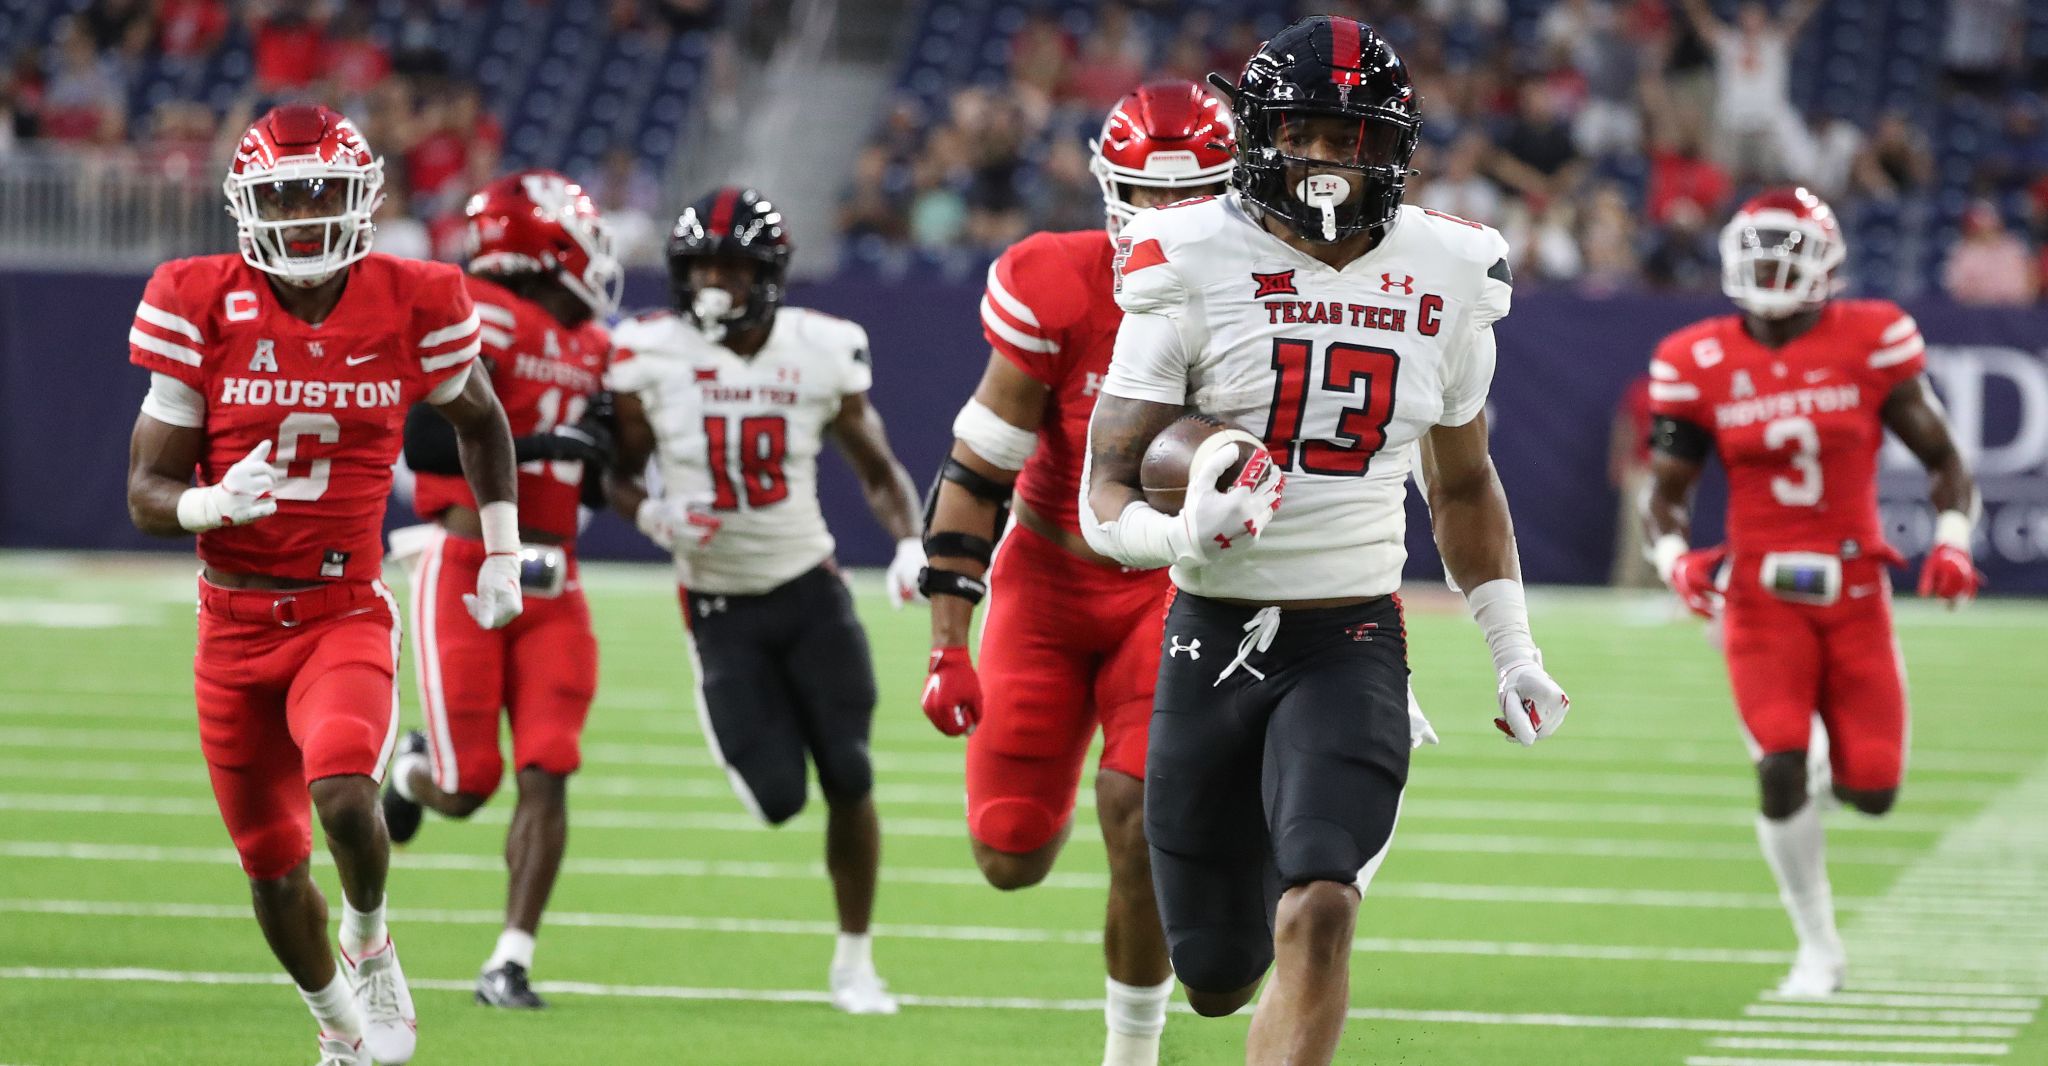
(1361, 424)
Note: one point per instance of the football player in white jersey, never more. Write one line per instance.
(733, 395)
(1335, 330)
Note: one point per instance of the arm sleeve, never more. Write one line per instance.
(1016, 319)
(430, 445)
(174, 403)
(166, 337)
(629, 368)
(449, 329)
(1901, 354)
(1150, 361)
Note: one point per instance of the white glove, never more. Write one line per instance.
(1214, 522)
(904, 571)
(241, 496)
(1532, 706)
(497, 600)
(1419, 732)
(674, 526)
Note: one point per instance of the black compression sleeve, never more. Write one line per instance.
(1680, 439)
(430, 446)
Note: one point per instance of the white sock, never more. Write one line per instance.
(514, 945)
(1796, 849)
(1136, 1015)
(334, 1007)
(362, 932)
(854, 953)
(401, 774)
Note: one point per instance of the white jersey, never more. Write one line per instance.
(739, 437)
(1340, 372)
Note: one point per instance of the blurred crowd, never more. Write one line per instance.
(1609, 146)
(77, 93)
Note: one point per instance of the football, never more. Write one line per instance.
(1164, 473)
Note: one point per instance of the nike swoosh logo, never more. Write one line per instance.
(1857, 592)
(1815, 375)
(358, 360)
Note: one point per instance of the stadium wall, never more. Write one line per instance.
(68, 399)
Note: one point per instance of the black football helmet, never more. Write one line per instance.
(1324, 65)
(738, 222)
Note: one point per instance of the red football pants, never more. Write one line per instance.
(541, 670)
(292, 687)
(1066, 644)
(1789, 661)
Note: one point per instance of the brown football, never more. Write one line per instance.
(1164, 473)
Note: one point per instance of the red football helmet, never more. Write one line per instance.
(1779, 253)
(301, 189)
(1166, 135)
(540, 222)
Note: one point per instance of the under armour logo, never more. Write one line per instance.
(708, 605)
(1175, 647)
(1406, 284)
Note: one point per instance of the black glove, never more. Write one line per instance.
(589, 441)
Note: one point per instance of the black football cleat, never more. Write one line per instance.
(506, 987)
(401, 815)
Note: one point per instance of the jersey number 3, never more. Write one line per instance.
(1805, 489)
(762, 442)
(1361, 429)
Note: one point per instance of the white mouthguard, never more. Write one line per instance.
(1325, 192)
(710, 307)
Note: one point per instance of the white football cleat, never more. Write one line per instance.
(1816, 974)
(340, 1051)
(861, 992)
(390, 1027)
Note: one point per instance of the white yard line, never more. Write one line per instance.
(948, 828)
(807, 996)
(985, 934)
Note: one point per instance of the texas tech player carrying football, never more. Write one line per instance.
(1794, 395)
(1072, 638)
(1342, 330)
(733, 395)
(282, 376)
(544, 278)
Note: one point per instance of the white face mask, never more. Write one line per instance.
(1324, 192)
(711, 306)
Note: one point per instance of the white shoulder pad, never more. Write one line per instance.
(842, 344)
(1155, 250)
(1467, 245)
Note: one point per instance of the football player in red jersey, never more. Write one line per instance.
(282, 376)
(543, 275)
(1072, 639)
(1794, 394)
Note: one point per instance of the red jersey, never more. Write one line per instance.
(1051, 310)
(333, 396)
(544, 373)
(1798, 428)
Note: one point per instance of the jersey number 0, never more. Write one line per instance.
(1361, 430)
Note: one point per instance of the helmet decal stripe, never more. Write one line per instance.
(721, 215)
(1344, 52)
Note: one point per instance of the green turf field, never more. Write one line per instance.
(1596, 900)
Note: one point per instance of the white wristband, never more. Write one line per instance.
(199, 509)
(500, 521)
(1952, 528)
(1665, 553)
(1503, 615)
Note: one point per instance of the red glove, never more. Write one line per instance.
(1949, 574)
(1692, 578)
(952, 692)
